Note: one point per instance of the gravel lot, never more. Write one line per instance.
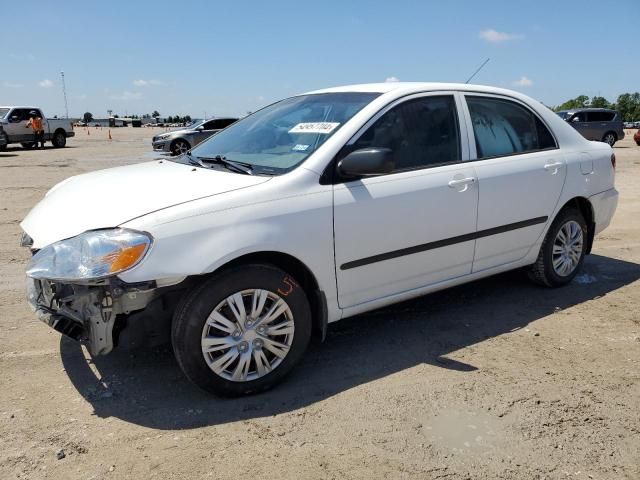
(493, 379)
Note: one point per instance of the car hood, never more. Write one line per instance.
(108, 198)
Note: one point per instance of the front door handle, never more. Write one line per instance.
(459, 182)
(553, 166)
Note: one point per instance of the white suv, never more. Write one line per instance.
(313, 209)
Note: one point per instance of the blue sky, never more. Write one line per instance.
(229, 57)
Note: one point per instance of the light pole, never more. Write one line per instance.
(64, 94)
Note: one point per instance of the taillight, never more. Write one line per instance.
(613, 160)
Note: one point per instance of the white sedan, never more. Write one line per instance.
(313, 209)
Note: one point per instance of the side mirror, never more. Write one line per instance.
(15, 119)
(575, 120)
(200, 128)
(366, 162)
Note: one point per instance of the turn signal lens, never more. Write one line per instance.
(125, 258)
(613, 160)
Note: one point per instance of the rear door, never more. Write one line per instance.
(413, 227)
(521, 172)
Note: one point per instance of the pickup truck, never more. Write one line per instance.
(13, 120)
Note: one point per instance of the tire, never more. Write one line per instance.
(194, 328)
(179, 146)
(611, 138)
(546, 271)
(27, 145)
(59, 140)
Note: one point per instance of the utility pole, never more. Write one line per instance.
(64, 94)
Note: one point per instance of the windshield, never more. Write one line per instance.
(563, 115)
(3, 112)
(279, 137)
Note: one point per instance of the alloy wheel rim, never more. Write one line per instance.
(247, 335)
(567, 248)
(181, 147)
(609, 139)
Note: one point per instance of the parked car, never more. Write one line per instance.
(14, 121)
(3, 139)
(180, 141)
(636, 137)
(316, 208)
(598, 124)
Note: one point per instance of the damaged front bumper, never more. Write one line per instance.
(87, 312)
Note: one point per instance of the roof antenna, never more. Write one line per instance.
(479, 68)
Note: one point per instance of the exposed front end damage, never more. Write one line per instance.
(88, 312)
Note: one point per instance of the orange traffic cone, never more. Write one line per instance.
(110, 134)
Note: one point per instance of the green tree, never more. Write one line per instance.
(580, 101)
(155, 114)
(600, 102)
(169, 119)
(187, 118)
(628, 105)
(87, 117)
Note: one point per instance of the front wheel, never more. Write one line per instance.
(242, 331)
(562, 251)
(610, 138)
(180, 147)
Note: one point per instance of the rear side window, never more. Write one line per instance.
(502, 127)
(422, 132)
(600, 116)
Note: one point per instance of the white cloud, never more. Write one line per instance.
(523, 82)
(46, 83)
(12, 85)
(392, 79)
(126, 95)
(493, 36)
(146, 83)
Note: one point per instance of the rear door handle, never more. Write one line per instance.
(461, 181)
(553, 166)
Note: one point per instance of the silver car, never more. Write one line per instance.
(599, 124)
(180, 141)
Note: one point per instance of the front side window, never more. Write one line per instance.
(280, 137)
(421, 133)
(502, 127)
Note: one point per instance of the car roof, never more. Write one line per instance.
(411, 87)
(573, 110)
(19, 106)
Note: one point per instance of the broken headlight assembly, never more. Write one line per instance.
(92, 255)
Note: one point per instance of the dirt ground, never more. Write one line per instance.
(494, 379)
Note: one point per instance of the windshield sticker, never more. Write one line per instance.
(315, 127)
(300, 148)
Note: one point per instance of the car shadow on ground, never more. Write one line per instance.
(147, 387)
(46, 147)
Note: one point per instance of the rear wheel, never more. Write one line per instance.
(180, 147)
(562, 251)
(59, 139)
(242, 331)
(610, 138)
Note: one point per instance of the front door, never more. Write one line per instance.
(520, 172)
(413, 227)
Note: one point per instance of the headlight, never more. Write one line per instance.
(90, 255)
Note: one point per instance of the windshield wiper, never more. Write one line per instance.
(230, 164)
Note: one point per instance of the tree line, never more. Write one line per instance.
(88, 117)
(627, 104)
